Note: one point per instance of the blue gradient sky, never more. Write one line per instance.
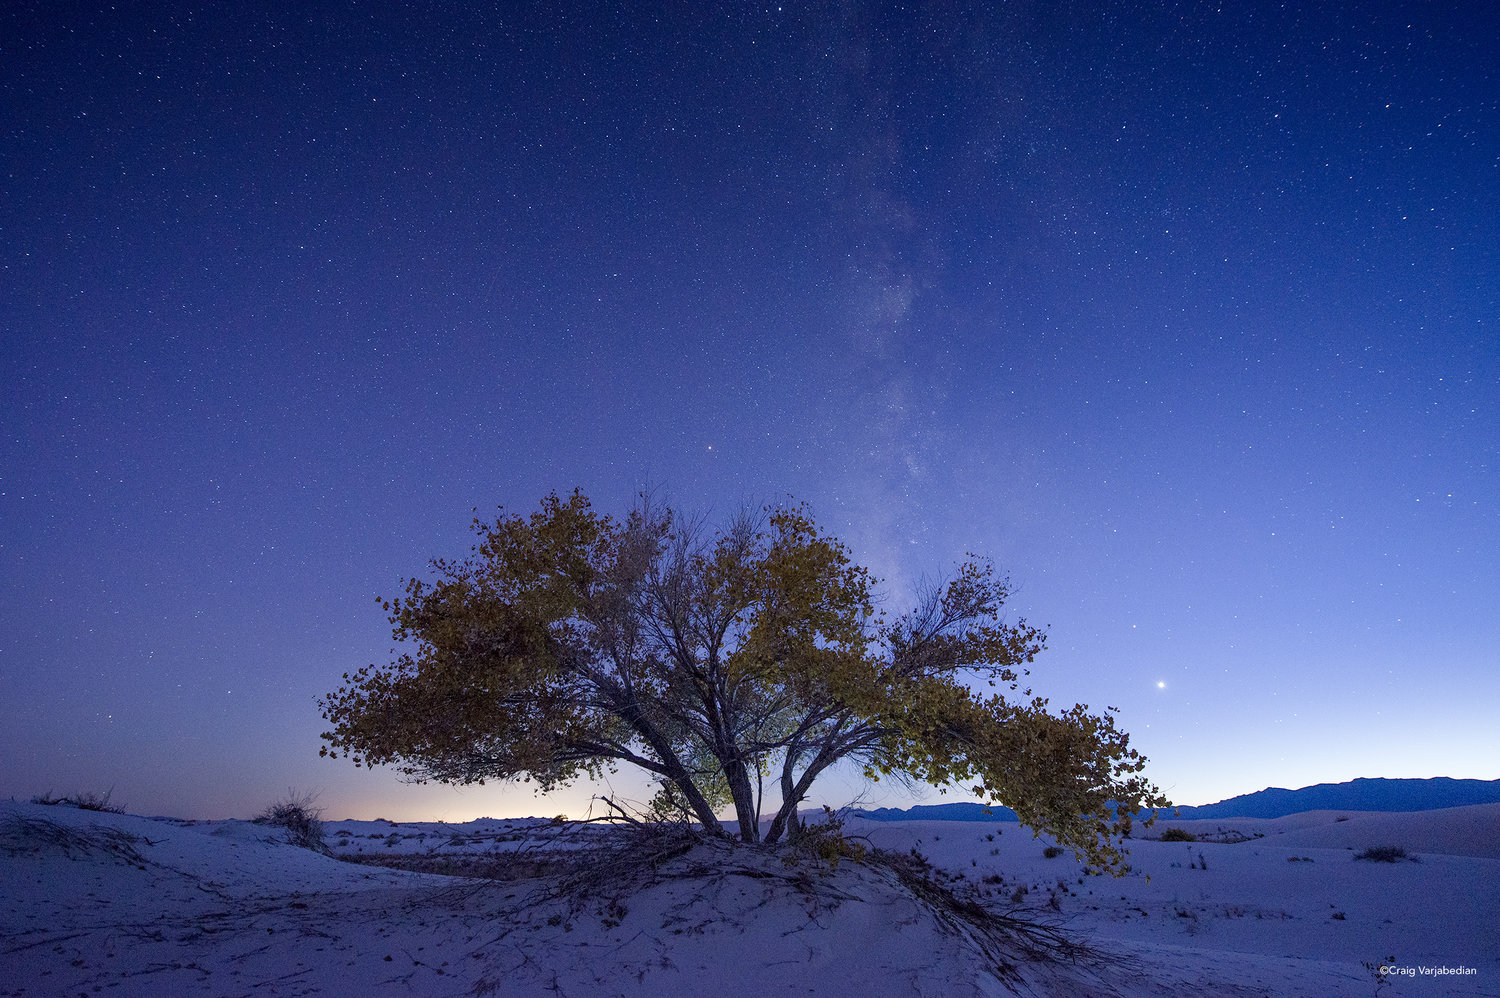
(1188, 317)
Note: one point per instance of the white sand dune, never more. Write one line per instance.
(1455, 831)
(116, 904)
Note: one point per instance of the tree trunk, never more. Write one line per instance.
(698, 803)
(784, 819)
(738, 779)
(793, 794)
(629, 710)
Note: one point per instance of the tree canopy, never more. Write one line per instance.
(718, 661)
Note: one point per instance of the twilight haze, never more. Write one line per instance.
(1186, 316)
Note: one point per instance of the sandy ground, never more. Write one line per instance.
(94, 903)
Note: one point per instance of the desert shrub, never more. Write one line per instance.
(84, 802)
(303, 822)
(1052, 852)
(1380, 972)
(1385, 854)
(1227, 837)
(825, 842)
(97, 802)
(1178, 835)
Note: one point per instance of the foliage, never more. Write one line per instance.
(303, 822)
(1178, 835)
(825, 842)
(1385, 854)
(570, 642)
(669, 804)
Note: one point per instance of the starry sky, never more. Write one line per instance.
(1185, 314)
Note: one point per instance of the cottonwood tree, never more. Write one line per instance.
(570, 642)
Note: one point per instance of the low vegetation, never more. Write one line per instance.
(303, 822)
(89, 801)
(826, 842)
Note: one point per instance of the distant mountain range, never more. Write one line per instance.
(1356, 795)
(940, 812)
(1273, 802)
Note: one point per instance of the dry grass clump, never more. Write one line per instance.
(1386, 854)
(303, 822)
(88, 801)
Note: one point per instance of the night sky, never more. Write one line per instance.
(1187, 315)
